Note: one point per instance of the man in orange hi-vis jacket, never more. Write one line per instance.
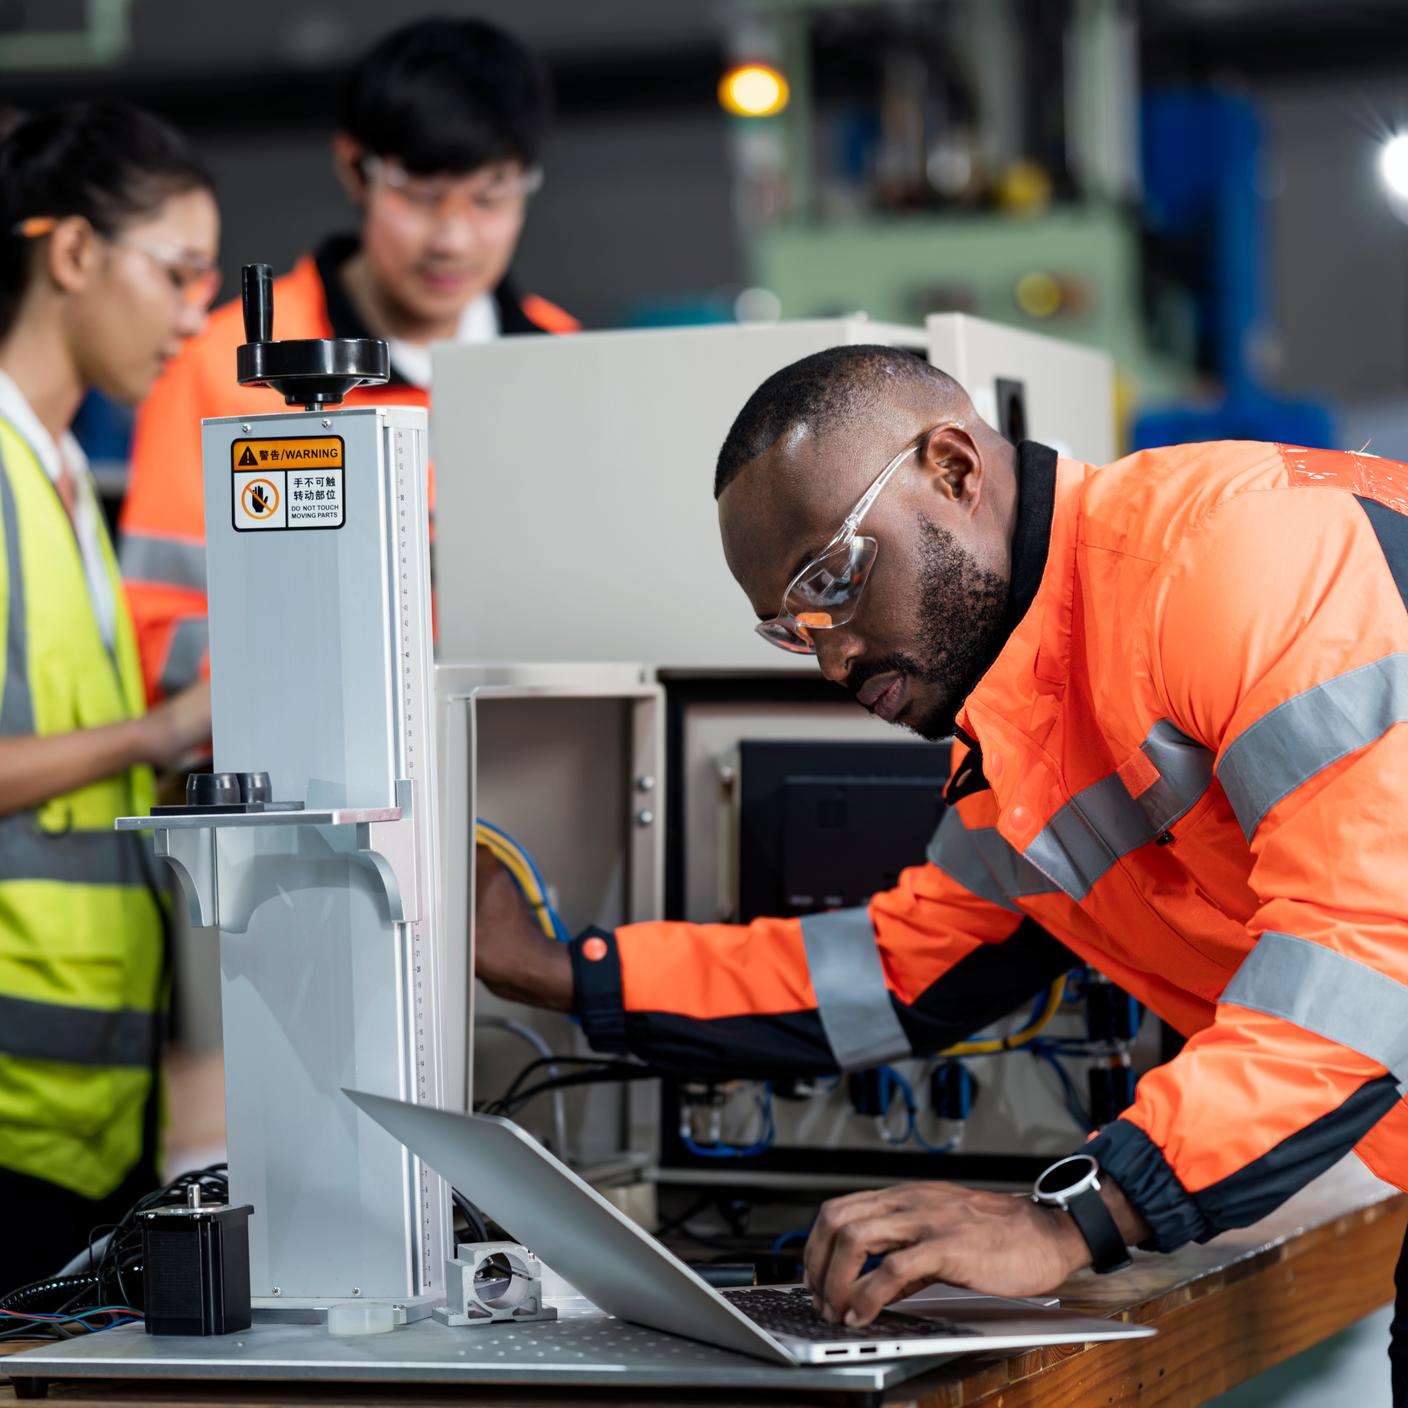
(1178, 687)
(438, 139)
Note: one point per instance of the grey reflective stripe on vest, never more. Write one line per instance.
(1307, 733)
(70, 857)
(189, 642)
(1327, 993)
(852, 1000)
(81, 1036)
(167, 560)
(984, 862)
(16, 705)
(1102, 823)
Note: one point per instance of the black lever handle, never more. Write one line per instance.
(315, 372)
(258, 289)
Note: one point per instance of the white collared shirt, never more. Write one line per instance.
(478, 323)
(54, 456)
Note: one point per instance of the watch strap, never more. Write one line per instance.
(1102, 1234)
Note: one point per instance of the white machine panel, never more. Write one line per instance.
(1028, 386)
(575, 514)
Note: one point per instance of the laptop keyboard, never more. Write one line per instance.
(790, 1312)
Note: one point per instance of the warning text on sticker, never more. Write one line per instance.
(314, 500)
(324, 451)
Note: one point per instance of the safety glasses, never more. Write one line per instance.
(196, 281)
(827, 591)
(437, 199)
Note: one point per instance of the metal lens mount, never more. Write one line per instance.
(488, 1282)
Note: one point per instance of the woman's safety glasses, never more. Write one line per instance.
(826, 592)
(196, 281)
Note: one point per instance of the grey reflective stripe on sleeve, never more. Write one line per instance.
(985, 863)
(69, 857)
(1102, 823)
(1307, 733)
(172, 561)
(16, 706)
(80, 1036)
(852, 1000)
(1327, 993)
(189, 642)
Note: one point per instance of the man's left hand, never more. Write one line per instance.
(995, 1242)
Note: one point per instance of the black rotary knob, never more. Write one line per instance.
(213, 789)
(255, 787)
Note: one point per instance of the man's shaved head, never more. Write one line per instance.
(810, 441)
(841, 389)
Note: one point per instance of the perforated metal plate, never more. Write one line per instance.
(581, 1350)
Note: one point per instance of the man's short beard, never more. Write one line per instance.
(962, 611)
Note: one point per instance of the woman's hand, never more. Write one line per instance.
(176, 729)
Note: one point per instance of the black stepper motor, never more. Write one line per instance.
(195, 1269)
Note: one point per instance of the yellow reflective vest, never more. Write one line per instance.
(81, 919)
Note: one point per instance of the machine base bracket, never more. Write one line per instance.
(578, 1349)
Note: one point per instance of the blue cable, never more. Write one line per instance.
(737, 1151)
(1043, 1052)
(906, 1091)
(786, 1237)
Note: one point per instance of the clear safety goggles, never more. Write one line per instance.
(827, 591)
(195, 280)
(437, 198)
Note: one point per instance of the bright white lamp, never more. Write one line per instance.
(1393, 165)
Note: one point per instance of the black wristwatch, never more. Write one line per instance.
(1073, 1186)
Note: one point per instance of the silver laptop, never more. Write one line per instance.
(627, 1273)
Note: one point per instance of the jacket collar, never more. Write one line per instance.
(345, 321)
(1031, 537)
(1021, 691)
(1036, 607)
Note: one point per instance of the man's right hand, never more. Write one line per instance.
(512, 955)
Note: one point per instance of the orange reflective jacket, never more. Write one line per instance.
(1186, 767)
(162, 549)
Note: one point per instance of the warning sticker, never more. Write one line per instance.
(291, 483)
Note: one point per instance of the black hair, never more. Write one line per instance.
(447, 95)
(108, 161)
(825, 391)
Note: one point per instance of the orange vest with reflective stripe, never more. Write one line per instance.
(1197, 774)
(163, 515)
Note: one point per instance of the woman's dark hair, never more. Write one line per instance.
(110, 162)
(447, 95)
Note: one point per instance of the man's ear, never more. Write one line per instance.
(72, 255)
(347, 157)
(951, 458)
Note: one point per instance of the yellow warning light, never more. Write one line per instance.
(753, 90)
(1038, 295)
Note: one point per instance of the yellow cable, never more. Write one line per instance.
(992, 1045)
(517, 865)
(513, 862)
(532, 895)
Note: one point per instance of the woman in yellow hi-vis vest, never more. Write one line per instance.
(108, 234)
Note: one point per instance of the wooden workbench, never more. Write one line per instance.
(1225, 1311)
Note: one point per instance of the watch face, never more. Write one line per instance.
(1068, 1174)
